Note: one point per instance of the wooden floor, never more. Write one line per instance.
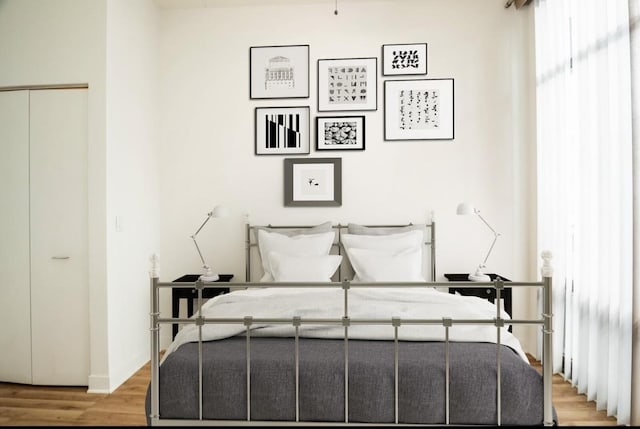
(23, 405)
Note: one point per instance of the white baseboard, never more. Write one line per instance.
(99, 384)
(108, 384)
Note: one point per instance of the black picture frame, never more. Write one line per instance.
(280, 71)
(404, 59)
(340, 132)
(312, 182)
(361, 78)
(282, 130)
(405, 102)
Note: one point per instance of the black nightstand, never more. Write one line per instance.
(486, 293)
(178, 293)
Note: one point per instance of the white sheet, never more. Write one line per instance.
(378, 303)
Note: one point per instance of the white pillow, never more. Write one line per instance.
(287, 268)
(382, 266)
(390, 243)
(299, 245)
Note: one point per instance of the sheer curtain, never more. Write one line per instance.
(585, 191)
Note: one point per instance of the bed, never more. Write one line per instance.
(344, 328)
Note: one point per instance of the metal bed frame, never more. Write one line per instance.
(545, 321)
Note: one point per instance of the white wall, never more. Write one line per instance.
(132, 177)
(207, 130)
(63, 42)
(44, 42)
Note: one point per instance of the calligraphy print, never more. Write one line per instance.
(419, 109)
(347, 84)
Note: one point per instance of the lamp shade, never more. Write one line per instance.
(465, 208)
(220, 211)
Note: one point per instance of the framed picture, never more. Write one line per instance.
(347, 84)
(340, 133)
(312, 182)
(419, 109)
(279, 71)
(282, 130)
(404, 59)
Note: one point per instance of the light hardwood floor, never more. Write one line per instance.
(24, 405)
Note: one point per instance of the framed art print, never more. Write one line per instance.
(312, 182)
(282, 130)
(279, 71)
(347, 84)
(340, 133)
(405, 59)
(418, 109)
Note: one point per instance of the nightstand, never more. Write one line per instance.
(178, 293)
(482, 292)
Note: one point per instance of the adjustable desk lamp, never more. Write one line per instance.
(209, 275)
(479, 276)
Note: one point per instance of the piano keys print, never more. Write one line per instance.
(282, 131)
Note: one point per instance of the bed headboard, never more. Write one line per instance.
(344, 271)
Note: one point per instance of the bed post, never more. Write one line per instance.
(547, 341)
(154, 274)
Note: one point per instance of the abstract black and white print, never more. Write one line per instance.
(404, 59)
(347, 85)
(282, 131)
(418, 109)
(341, 133)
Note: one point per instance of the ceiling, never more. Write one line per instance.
(189, 4)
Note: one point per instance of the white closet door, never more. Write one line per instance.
(59, 266)
(15, 327)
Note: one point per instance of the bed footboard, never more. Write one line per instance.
(402, 383)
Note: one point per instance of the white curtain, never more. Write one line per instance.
(585, 191)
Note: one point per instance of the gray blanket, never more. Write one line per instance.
(371, 382)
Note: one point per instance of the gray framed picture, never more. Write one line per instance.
(282, 130)
(347, 84)
(340, 132)
(312, 182)
(405, 59)
(419, 109)
(279, 72)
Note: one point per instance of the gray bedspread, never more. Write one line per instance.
(371, 382)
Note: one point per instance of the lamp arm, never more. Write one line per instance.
(193, 237)
(204, 264)
(486, 223)
(495, 237)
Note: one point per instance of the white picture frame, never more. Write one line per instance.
(346, 84)
(419, 109)
(279, 72)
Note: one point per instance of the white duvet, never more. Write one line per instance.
(364, 303)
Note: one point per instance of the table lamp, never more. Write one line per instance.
(465, 208)
(209, 275)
